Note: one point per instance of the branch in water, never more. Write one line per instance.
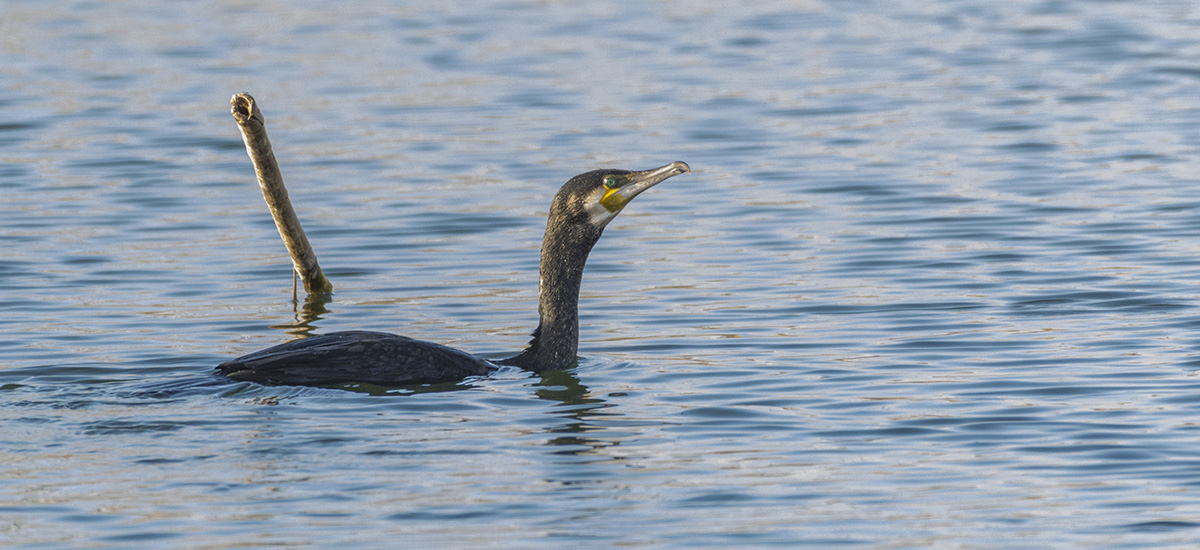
(254, 133)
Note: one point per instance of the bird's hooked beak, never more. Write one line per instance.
(616, 197)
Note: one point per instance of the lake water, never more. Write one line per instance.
(931, 284)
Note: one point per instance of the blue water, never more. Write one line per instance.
(931, 284)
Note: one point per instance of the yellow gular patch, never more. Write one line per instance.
(613, 201)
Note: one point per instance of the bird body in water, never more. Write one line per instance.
(578, 214)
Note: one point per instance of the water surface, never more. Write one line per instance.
(930, 283)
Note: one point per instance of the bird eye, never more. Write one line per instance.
(610, 182)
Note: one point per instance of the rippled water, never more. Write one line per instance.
(930, 285)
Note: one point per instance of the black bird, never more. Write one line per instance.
(580, 211)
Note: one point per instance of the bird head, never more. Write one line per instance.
(601, 194)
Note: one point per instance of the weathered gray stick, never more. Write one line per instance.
(254, 133)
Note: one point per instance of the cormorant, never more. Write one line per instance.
(578, 214)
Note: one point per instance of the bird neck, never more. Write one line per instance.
(555, 342)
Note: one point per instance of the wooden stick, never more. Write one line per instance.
(254, 133)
